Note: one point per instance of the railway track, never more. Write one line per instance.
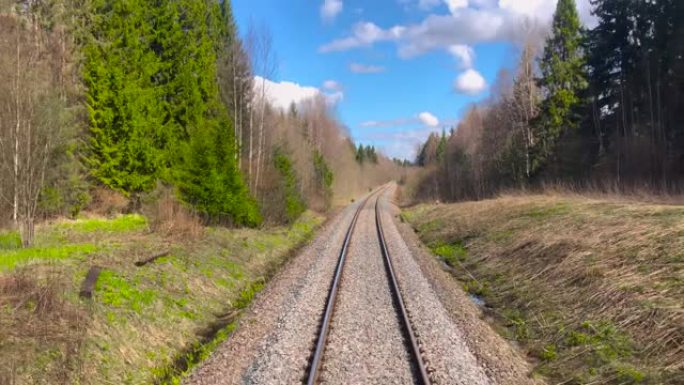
(410, 341)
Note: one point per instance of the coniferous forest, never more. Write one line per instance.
(142, 98)
(597, 108)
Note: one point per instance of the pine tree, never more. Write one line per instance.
(563, 79)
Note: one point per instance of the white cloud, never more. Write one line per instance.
(330, 9)
(424, 118)
(464, 54)
(332, 85)
(398, 144)
(455, 5)
(401, 142)
(334, 98)
(470, 82)
(365, 69)
(469, 23)
(428, 119)
(364, 34)
(283, 94)
(467, 27)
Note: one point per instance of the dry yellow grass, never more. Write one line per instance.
(141, 318)
(591, 287)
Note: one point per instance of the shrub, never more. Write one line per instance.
(107, 202)
(294, 203)
(170, 217)
(324, 178)
(209, 180)
(10, 240)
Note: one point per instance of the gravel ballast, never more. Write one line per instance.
(275, 339)
(366, 345)
(447, 356)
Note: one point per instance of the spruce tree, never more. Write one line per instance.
(563, 79)
(154, 104)
(124, 110)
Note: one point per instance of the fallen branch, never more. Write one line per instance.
(152, 258)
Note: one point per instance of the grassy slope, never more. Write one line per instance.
(140, 318)
(592, 289)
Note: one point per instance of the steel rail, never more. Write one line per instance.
(316, 361)
(414, 350)
(423, 377)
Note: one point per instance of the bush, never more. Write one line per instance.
(107, 202)
(10, 240)
(324, 178)
(209, 180)
(170, 217)
(68, 201)
(294, 203)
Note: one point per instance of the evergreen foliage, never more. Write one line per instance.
(294, 202)
(324, 177)
(366, 154)
(563, 78)
(154, 104)
(125, 113)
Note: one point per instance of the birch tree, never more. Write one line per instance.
(32, 116)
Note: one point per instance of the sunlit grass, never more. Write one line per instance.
(152, 312)
(121, 224)
(10, 259)
(10, 240)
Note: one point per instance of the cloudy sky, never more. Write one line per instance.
(394, 70)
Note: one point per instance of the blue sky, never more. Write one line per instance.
(393, 70)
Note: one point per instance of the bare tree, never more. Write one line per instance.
(31, 117)
(525, 101)
(259, 44)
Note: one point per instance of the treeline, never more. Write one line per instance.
(139, 97)
(595, 108)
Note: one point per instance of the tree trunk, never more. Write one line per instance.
(251, 145)
(261, 137)
(15, 200)
(235, 108)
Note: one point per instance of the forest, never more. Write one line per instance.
(129, 101)
(597, 108)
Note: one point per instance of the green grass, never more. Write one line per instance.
(140, 320)
(114, 290)
(548, 211)
(120, 224)
(452, 253)
(201, 350)
(10, 259)
(10, 240)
